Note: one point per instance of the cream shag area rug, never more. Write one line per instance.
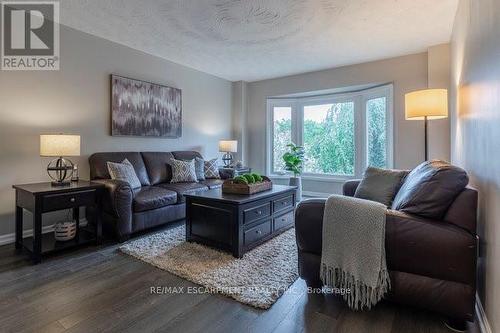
(258, 279)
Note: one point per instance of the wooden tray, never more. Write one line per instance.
(230, 187)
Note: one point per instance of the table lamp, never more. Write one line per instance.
(425, 105)
(228, 147)
(59, 145)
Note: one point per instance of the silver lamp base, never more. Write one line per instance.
(227, 159)
(59, 170)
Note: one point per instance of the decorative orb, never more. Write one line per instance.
(60, 169)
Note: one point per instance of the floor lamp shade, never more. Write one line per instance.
(430, 103)
(424, 105)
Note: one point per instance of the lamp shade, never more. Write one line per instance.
(228, 146)
(430, 103)
(59, 145)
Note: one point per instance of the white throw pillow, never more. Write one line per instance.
(124, 171)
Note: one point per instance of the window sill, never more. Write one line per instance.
(327, 179)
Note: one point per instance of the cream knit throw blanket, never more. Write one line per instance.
(353, 253)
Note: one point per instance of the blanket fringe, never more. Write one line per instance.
(360, 296)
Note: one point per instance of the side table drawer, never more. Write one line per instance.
(256, 233)
(255, 213)
(284, 221)
(282, 203)
(68, 200)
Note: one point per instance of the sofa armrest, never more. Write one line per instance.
(309, 225)
(117, 201)
(350, 186)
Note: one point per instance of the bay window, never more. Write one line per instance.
(341, 133)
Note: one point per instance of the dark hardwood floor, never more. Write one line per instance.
(99, 289)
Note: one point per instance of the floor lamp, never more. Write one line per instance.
(426, 105)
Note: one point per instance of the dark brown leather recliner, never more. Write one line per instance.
(432, 263)
(157, 201)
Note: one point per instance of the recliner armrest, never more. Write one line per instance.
(309, 225)
(350, 186)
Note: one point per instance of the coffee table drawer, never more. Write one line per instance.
(284, 221)
(255, 213)
(256, 233)
(67, 200)
(283, 203)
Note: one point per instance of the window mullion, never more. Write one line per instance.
(298, 135)
(359, 138)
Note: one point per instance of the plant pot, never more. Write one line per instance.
(297, 181)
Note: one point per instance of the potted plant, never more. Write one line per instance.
(293, 162)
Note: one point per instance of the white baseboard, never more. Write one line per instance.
(315, 194)
(11, 238)
(484, 326)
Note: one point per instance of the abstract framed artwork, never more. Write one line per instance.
(140, 108)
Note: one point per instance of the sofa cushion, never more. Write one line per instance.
(380, 185)
(157, 166)
(184, 188)
(99, 169)
(124, 171)
(212, 183)
(430, 188)
(152, 197)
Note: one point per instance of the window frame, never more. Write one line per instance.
(360, 99)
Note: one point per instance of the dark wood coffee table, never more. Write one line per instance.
(238, 223)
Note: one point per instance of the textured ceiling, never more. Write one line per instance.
(258, 39)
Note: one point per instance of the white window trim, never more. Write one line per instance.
(360, 99)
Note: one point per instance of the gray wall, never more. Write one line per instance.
(407, 73)
(475, 130)
(76, 100)
(438, 73)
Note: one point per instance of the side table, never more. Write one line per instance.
(39, 198)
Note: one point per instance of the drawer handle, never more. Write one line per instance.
(72, 199)
(259, 212)
(283, 220)
(284, 203)
(258, 232)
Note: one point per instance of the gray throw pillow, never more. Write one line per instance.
(183, 171)
(124, 171)
(199, 168)
(380, 185)
(211, 169)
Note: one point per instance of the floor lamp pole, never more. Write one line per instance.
(425, 129)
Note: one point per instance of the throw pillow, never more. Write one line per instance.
(380, 185)
(124, 171)
(430, 188)
(211, 169)
(183, 171)
(199, 168)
